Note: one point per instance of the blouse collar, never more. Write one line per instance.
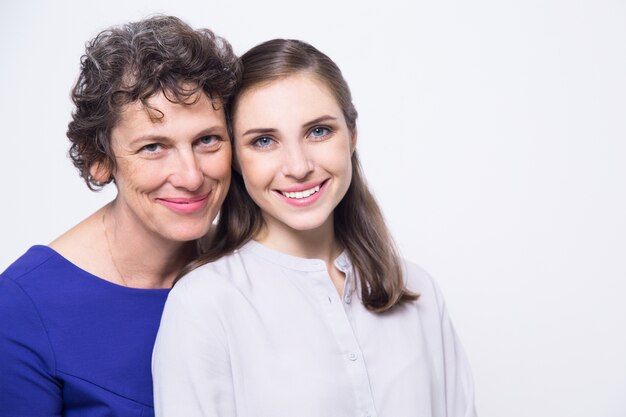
(342, 262)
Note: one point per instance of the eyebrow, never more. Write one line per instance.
(148, 138)
(266, 130)
(320, 119)
(259, 131)
(215, 130)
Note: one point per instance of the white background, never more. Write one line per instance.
(492, 132)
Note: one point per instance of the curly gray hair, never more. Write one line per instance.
(133, 62)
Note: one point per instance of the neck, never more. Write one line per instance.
(142, 259)
(319, 243)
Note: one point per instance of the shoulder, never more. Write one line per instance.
(418, 281)
(31, 272)
(40, 272)
(199, 304)
(21, 324)
(416, 278)
(32, 282)
(210, 282)
(226, 281)
(28, 264)
(209, 275)
(232, 270)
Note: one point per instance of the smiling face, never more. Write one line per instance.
(172, 172)
(293, 149)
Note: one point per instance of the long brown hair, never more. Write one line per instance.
(359, 224)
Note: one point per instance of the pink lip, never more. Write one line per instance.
(306, 201)
(185, 205)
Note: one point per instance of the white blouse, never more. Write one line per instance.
(263, 334)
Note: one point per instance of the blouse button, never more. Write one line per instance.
(352, 356)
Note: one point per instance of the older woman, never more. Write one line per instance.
(79, 316)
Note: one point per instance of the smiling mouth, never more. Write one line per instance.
(301, 194)
(185, 200)
(185, 205)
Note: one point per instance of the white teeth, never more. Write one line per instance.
(302, 194)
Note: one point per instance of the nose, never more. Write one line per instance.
(298, 163)
(186, 172)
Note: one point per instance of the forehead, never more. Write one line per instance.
(161, 117)
(159, 112)
(297, 96)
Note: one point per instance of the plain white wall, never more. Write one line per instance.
(492, 132)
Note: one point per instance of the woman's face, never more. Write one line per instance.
(172, 172)
(294, 150)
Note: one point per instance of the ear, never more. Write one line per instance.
(353, 140)
(100, 172)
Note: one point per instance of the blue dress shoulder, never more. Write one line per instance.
(73, 344)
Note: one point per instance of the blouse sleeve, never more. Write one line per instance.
(190, 363)
(459, 384)
(27, 384)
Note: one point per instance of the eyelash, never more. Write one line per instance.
(327, 129)
(257, 142)
(327, 132)
(145, 148)
(214, 141)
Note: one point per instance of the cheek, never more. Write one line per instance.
(253, 176)
(347, 158)
(257, 173)
(218, 165)
(139, 176)
(337, 159)
(341, 165)
(247, 164)
(347, 176)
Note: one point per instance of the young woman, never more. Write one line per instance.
(303, 307)
(78, 317)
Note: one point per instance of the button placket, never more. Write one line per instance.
(347, 292)
(338, 314)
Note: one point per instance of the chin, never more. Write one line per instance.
(186, 235)
(307, 225)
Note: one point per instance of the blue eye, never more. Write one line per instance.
(320, 132)
(207, 140)
(152, 147)
(263, 142)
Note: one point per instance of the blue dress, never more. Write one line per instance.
(73, 344)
